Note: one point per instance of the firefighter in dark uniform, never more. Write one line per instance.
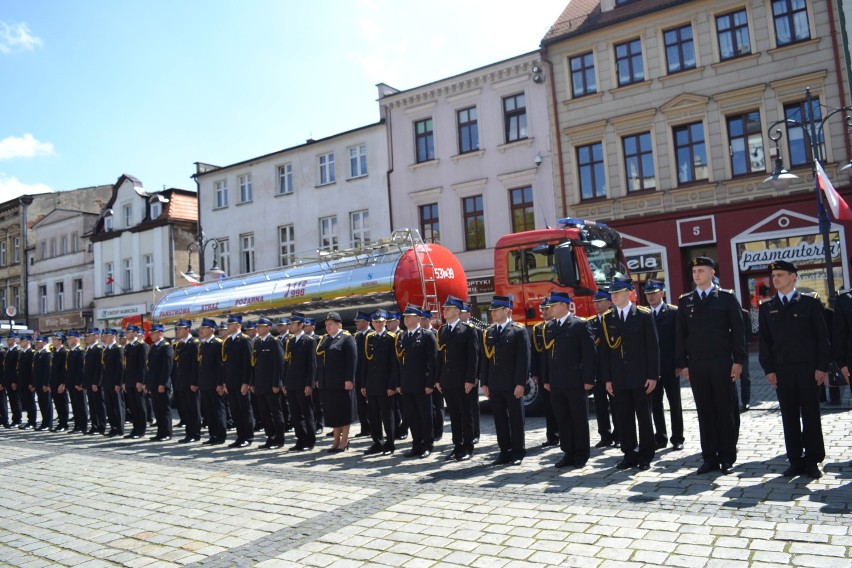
(473, 395)
(237, 359)
(135, 361)
(504, 370)
(841, 332)
(112, 375)
(665, 320)
(436, 396)
(58, 388)
(41, 381)
(92, 380)
(568, 369)
(158, 381)
(74, 364)
(25, 382)
(417, 353)
(378, 379)
(604, 406)
(316, 398)
(458, 360)
(268, 383)
(630, 367)
(400, 425)
(795, 354)
(211, 385)
(4, 397)
(551, 428)
(710, 350)
(282, 326)
(337, 362)
(300, 371)
(10, 378)
(185, 381)
(362, 328)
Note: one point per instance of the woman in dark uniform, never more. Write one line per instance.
(336, 362)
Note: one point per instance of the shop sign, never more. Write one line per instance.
(483, 285)
(651, 262)
(65, 321)
(696, 231)
(121, 311)
(804, 252)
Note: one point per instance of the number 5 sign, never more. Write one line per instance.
(696, 230)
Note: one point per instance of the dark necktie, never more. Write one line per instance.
(703, 295)
(623, 315)
(785, 301)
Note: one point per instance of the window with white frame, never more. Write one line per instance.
(247, 253)
(127, 215)
(16, 250)
(359, 221)
(108, 222)
(285, 179)
(63, 245)
(326, 168)
(3, 254)
(42, 250)
(148, 267)
(328, 233)
(358, 161)
(127, 275)
(78, 293)
(52, 247)
(223, 253)
(75, 245)
(156, 210)
(16, 297)
(42, 299)
(59, 296)
(287, 245)
(3, 297)
(245, 188)
(221, 189)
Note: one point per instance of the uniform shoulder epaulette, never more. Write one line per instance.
(672, 306)
(727, 291)
(243, 335)
(216, 340)
(369, 333)
(195, 340)
(392, 333)
(645, 309)
(763, 301)
(517, 324)
(810, 293)
(844, 291)
(609, 311)
(685, 294)
(346, 333)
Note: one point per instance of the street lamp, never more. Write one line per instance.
(201, 245)
(25, 201)
(813, 130)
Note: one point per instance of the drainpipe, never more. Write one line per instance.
(558, 131)
(838, 73)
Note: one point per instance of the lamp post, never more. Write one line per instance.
(201, 245)
(813, 129)
(25, 201)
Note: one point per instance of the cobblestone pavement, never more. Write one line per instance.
(88, 501)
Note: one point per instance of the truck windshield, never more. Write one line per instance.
(606, 264)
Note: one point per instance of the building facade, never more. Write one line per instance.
(295, 204)
(470, 161)
(141, 243)
(663, 111)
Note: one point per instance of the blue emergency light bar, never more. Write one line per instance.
(571, 221)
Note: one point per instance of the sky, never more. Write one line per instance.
(93, 89)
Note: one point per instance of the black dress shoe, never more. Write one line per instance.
(41, 428)
(135, 436)
(296, 448)
(244, 444)
(746, 408)
(812, 471)
(550, 444)
(502, 459)
(454, 455)
(113, 434)
(644, 466)
(437, 437)
(216, 441)
(267, 444)
(156, 438)
(388, 451)
(362, 434)
(565, 462)
(275, 446)
(726, 468)
(374, 449)
(517, 461)
(412, 453)
(319, 430)
(25, 427)
(707, 467)
(464, 456)
(475, 440)
(604, 443)
(794, 470)
(425, 453)
(625, 464)
(662, 443)
(187, 440)
(60, 429)
(677, 447)
(128, 436)
(330, 434)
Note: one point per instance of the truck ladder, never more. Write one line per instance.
(426, 270)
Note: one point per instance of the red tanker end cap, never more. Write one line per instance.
(446, 272)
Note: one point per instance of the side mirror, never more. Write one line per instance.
(566, 266)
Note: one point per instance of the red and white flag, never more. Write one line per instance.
(192, 281)
(839, 208)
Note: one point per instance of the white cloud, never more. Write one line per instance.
(25, 146)
(12, 187)
(17, 37)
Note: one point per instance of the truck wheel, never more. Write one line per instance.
(533, 399)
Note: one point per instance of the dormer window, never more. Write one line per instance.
(127, 214)
(156, 210)
(108, 222)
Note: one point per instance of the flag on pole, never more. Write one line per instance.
(839, 208)
(192, 281)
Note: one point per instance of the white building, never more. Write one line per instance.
(141, 243)
(266, 212)
(471, 161)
